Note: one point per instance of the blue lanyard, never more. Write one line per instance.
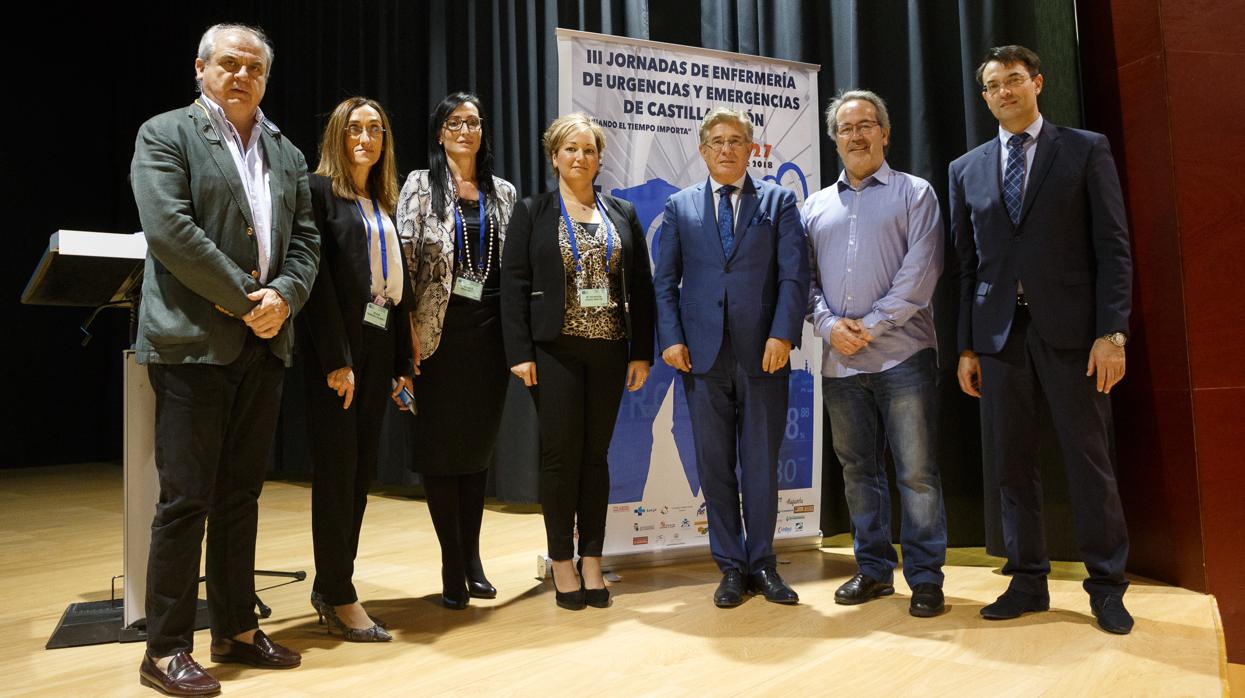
(459, 230)
(570, 233)
(380, 231)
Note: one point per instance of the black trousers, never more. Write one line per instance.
(579, 384)
(456, 505)
(344, 447)
(214, 434)
(1028, 375)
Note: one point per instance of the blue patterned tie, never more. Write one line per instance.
(726, 218)
(1014, 176)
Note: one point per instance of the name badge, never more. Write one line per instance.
(594, 297)
(468, 288)
(376, 315)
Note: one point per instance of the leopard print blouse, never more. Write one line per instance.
(605, 322)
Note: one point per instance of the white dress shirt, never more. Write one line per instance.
(252, 167)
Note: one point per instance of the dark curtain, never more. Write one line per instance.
(72, 130)
(920, 56)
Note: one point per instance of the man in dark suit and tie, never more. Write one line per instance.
(1045, 292)
(232, 250)
(737, 245)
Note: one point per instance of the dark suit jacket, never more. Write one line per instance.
(202, 255)
(332, 320)
(1070, 250)
(533, 279)
(763, 285)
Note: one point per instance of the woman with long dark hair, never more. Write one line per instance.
(355, 344)
(452, 219)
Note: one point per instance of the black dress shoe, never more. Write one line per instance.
(1013, 604)
(184, 678)
(1111, 614)
(770, 583)
(860, 589)
(480, 589)
(730, 592)
(927, 600)
(264, 653)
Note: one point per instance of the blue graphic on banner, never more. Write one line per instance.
(795, 456)
(631, 449)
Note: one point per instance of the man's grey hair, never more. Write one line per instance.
(718, 115)
(832, 111)
(207, 43)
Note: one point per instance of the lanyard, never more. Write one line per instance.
(570, 233)
(380, 232)
(459, 231)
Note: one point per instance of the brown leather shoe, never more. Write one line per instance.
(264, 654)
(184, 678)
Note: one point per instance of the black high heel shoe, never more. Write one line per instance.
(597, 598)
(478, 586)
(570, 600)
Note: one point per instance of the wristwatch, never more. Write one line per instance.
(1119, 339)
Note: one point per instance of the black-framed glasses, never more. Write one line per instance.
(1012, 83)
(374, 131)
(472, 123)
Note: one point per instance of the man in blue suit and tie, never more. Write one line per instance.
(1045, 292)
(737, 245)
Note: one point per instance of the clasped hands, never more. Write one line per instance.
(269, 314)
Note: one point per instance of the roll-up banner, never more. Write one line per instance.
(650, 97)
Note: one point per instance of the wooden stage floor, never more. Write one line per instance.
(60, 542)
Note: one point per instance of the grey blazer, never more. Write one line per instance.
(201, 250)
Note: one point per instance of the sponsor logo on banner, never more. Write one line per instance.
(663, 524)
(799, 525)
(700, 509)
(702, 530)
(649, 527)
(639, 511)
(665, 509)
(785, 529)
(795, 500)
(618, 508)
(805, 509)
(794, 518)
(640, 540)
(686, 524)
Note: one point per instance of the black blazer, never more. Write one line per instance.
(533, 279)
(332, 321)
(1070, 249)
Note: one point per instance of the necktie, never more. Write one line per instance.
(726, 218)
(1014, 176)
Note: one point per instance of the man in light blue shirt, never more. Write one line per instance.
(876, 242)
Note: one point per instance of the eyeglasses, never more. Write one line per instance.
(732, 144)
(1011, 83)
(864, 128)
(473, 123)
(373, 131)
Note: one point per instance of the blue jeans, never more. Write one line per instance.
(906, 399)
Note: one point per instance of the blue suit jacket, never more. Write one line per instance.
(1069, 251)
(762, 287)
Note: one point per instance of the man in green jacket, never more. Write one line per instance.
(231, 255)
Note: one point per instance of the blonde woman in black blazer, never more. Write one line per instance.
(577, 317)
(353, 362)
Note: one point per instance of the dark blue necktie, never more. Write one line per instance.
(1014, 176)
(726, 218)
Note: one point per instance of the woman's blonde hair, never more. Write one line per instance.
(567, 124)
(335, 162)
